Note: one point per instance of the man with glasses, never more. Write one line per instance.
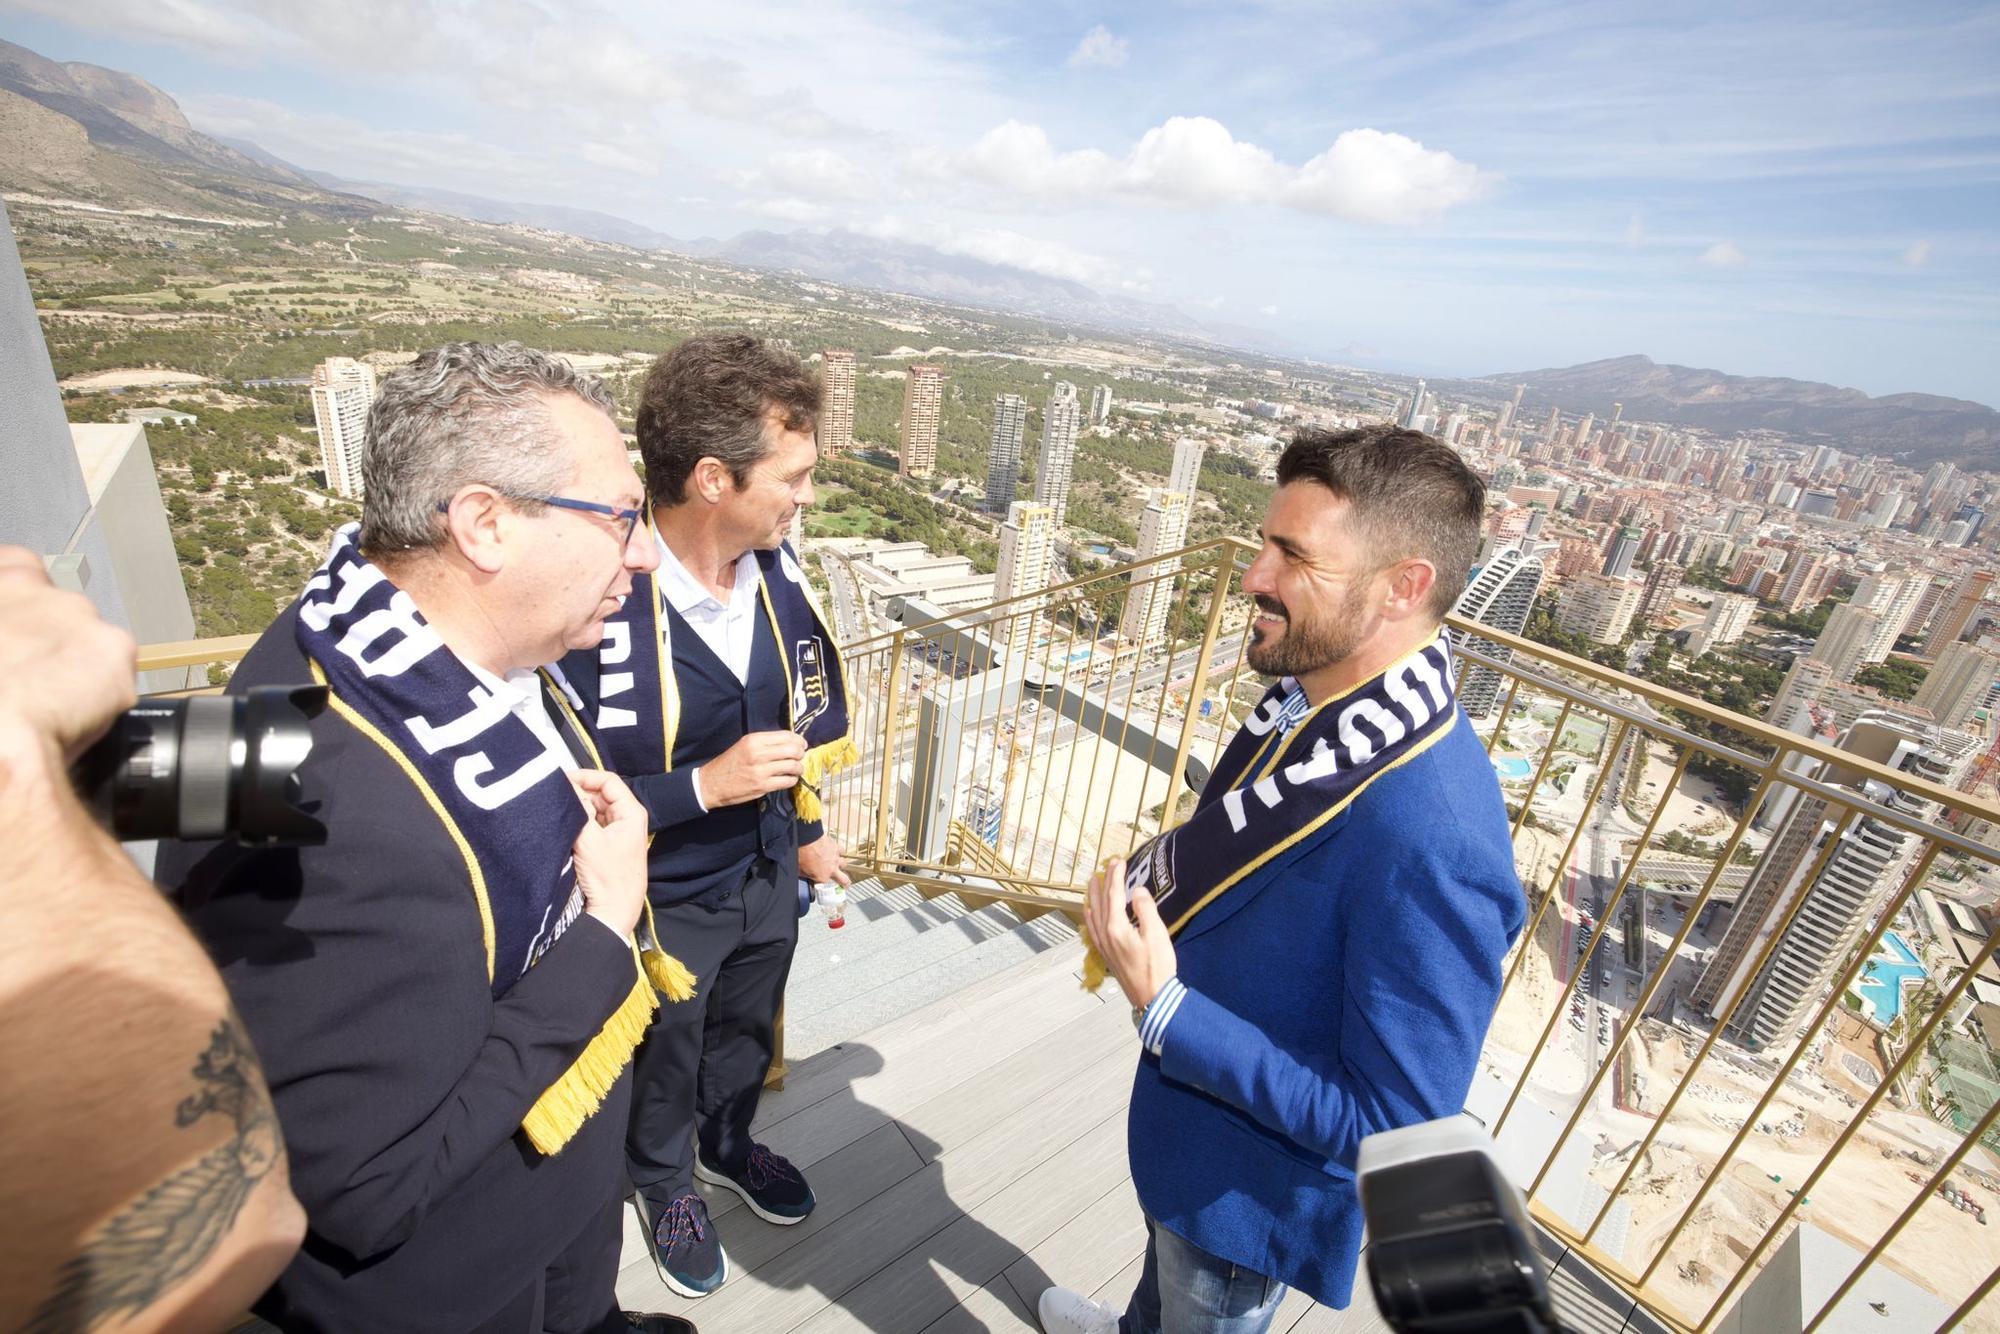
(713, 691)
(447, 994)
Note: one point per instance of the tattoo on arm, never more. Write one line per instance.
(167, 1233)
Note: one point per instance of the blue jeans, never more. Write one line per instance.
(1185, 1290)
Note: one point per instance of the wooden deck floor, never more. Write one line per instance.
(965, 1157)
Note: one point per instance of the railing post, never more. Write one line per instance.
(1225, 570)
(885, 789)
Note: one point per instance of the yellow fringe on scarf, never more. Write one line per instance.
(669, 974)
(821, 762)
(566, 1104)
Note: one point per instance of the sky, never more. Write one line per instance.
(1802, 189)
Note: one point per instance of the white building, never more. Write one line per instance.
(1959, 684)
(1848, 633)
(1598, 606)
(1060, 420)
(1728, 617)
(342, 390)
(836, 413)
(1500, 595)
(1185, 475)
(1027, 542)
(1100, 404)
(923, 413)
(1162, 528)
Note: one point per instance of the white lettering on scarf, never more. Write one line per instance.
(616, 648)
(487, 709)
(417, 640)
(355, 579)
(492, 796)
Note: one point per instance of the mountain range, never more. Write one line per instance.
(86, 134)
(1918, 429)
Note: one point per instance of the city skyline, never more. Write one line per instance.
(1825, 216)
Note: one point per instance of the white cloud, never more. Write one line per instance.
(1724, 255)
(998, 245)
(1193, 161)
(1918, 255)
(617, 159)
(816, 171)
(1371, 176)
(1099, 47)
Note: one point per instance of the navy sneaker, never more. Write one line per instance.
(685, 1247)
(772, 1187)
(650, 1322)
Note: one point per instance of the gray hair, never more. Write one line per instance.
(459, 414)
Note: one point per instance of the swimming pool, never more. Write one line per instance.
(1881, 983)
(1510, 767)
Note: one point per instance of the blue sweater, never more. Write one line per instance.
(1344, 989)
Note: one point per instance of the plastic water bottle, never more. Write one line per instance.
(832, 899)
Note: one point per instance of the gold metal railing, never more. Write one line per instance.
(1678, 1129)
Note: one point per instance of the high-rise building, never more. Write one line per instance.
(1960, 683)
(1027, 540)
(1416, 406)
(1506, 417)
(1728, 617)
(1805, 581)
(1185, 475)
(1100, 404)
(1583, 429)
(1162, 528)
(836, 413)
(1624, 549)
(1598, 607)
(1656, 601)
(1501, 595)
(1767, 1007)
(1003, 457)
(1892, 597)
(1553, 425)
(1957, 611)
(1848, 633)
(1805, 681)
(923, 412)
(1060, 418)
(342, 390)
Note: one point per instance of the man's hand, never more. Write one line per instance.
(820, 861)
(64, 671)
(610, 850)
(1140, 955)
(758, 763)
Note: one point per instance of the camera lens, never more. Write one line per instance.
(207, 766)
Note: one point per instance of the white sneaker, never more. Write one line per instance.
(1066, 1312)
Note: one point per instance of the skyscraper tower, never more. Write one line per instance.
(923, 409)
(1026, 541)
(1583, 429)
(836, 414)
(1185, 476)
(342, 390)
(1003, 457)
(1860, 873)
(1624, 550)
(1553, 425)
(1617, 413)
(1957, 611)
(1507, 412)
(1416, 406)
(1960, 684)
(1163, 527)
(1100, 404)
(1501, 595)
(1060, 419)
(1657, 600)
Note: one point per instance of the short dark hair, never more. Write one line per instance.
(1411, 493)
(709, 398)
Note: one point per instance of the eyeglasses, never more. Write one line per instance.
(629, 517)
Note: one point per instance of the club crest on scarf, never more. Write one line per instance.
(1270, 793)
(501, 793)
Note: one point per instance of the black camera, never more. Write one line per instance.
(207, 766)
(1450, 1247)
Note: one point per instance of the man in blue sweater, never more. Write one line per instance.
(1315, 954)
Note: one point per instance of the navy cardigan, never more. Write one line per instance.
(699, 855)
(1344, 989)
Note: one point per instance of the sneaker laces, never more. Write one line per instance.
(681, 1222)
(766, 1167)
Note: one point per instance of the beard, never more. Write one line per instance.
(1309, 642)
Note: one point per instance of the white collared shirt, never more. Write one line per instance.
(727, 629)
(522, 689)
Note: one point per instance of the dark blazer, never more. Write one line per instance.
(700, 855)
(400, 1083)
(1345, 988)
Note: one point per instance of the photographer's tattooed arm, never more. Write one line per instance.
(140, 1159)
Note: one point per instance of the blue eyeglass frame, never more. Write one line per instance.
(631, 517)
